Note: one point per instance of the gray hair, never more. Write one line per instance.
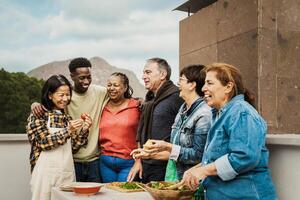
(162, 64)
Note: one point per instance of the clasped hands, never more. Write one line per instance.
(150, 149)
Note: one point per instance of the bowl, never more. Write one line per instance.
(86, 188)
(165, 194)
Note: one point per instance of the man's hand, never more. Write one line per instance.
(136, 168)
(38, 109)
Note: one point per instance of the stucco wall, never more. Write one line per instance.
(14, 167)
(262, 39)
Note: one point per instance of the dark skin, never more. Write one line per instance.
(82, 79)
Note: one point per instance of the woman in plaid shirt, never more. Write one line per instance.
(53, 138)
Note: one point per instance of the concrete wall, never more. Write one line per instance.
(262, 39)
(15, 175)
(285, 164)
(14, 167)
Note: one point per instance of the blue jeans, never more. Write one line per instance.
(114, 169)
(88, 171)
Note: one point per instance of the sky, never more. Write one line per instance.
(123, 32)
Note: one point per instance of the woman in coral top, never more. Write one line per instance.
(117, 131)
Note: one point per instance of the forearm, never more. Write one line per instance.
(78, 140)
(210, 169)
(163, 155)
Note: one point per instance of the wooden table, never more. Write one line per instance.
(104, 193)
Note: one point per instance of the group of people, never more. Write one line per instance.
(205, 131)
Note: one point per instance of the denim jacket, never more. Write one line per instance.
(188, 135)
(236, 144)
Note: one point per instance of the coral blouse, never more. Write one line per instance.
(117, 131)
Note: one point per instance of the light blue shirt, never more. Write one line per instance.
(188, 135)
(236, 145)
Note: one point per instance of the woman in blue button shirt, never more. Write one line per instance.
(235, 160)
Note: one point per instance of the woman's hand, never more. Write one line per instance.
(136, 168)
(192, 177)
(87, 122)
(75, 125)
(158, 146)
(140, 154)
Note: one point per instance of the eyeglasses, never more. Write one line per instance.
(183, 79)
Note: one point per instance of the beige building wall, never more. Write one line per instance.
(262, 39)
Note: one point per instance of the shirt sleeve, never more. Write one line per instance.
(224, 168)
(39, 135)
(195, 152)
(246, 140)
(174, 152)
(78, 140)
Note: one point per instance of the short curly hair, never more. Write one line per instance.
(79, 62)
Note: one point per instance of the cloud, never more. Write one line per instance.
(125, 33)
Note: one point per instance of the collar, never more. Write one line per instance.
(192, 108)
(228, 105)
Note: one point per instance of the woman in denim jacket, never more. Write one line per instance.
(235, 161)
(190, 128)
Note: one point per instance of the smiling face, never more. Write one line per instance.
(82, 79)
(216, 95)
(61, 97)
(116, 88)
(153, 77)
(185, 87)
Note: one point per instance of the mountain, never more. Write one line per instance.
(101, 70)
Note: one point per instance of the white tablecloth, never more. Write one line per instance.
(104, 193)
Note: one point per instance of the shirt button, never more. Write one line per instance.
(205, 162)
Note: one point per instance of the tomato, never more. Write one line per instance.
(83, 116)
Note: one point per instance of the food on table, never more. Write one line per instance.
(159, 191)
(125, 186)
(164, 186)
(129, 185)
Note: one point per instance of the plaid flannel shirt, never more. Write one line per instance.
(42, 140)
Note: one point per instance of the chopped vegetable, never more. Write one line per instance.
(129, 185)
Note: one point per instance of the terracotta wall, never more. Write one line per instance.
(262, 39)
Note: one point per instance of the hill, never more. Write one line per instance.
(101, 70)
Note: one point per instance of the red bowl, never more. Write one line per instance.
(86, 188)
